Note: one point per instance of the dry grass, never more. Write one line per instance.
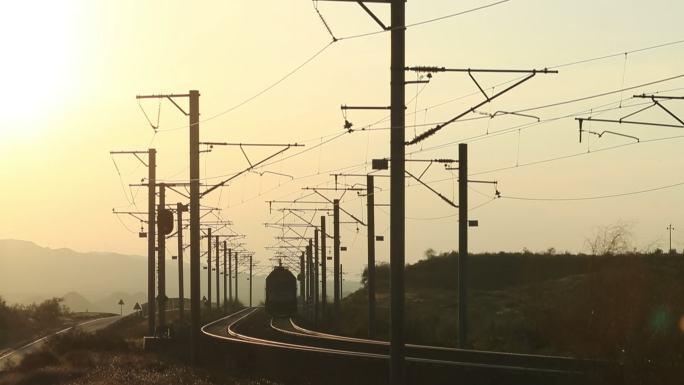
(112, 356)
(112, 368)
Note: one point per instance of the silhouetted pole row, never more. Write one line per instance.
(226, 273)
(462, 245)
(151, 240)
(336, 255)
(370, 276)
(209, 268)
(316, 281)
(324, 275)
(161, 258)
(218, 289)
(151, 229)
(195, 267)
(181, 291)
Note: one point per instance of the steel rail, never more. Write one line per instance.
(480, 354)
(235, 336)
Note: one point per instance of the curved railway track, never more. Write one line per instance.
(287, 349)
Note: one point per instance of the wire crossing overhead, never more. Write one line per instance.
(251, 165)
(426, 134)
(623, 120)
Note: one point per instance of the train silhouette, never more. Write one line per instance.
(281, 293)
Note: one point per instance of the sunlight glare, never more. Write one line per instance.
(41, 38)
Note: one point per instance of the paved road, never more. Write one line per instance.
(15, 356)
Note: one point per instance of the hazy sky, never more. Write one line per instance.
(71, 71)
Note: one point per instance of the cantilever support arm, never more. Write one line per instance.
(432, 131)
(669, 112)
(445, 199)
(250, 168)
(372, 15)
(630, 122)
(341, 209)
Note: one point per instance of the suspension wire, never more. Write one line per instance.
(586, 198)
(624, 72)
(529, 163)
(601, 94)
(121, 181)
(617, 54)
(574, 155)
(440, 18)
(532, 124)
(556, 67)
(154, 127)
(517, 156)
(262, 91)
(123, 224)
(318, 53)
(320, 15)
(426, 109)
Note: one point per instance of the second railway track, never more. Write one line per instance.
(310, 355)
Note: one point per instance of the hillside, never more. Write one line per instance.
(29, 272)
(577, 305)
(95, 281)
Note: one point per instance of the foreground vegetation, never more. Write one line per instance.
(627, 307)
(114, 355)
(22, 323)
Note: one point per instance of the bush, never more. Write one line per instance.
(73, 340)
(19, 322)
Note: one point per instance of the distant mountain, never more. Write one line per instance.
(77, 303)
(97, 281)
(29, 272)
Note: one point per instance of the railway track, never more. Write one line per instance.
(513, 361)
(303, 354)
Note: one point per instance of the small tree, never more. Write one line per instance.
(430, 253)
(611, 240)
(49, 310)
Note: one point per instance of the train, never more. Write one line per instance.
(281, 293)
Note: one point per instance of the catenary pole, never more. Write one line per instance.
(236, 276)
(370, 270)
(161, 261)
(397, 192)
(302, 281)
(315, 269)
(209, 248)
(218, 272)
(324, 272)
(181, 291)
(151, 239)
(463, 245)
(310, 275)
(194, 227)
(230, 275)
(336, 255)
(341, 285)
(226, 273)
